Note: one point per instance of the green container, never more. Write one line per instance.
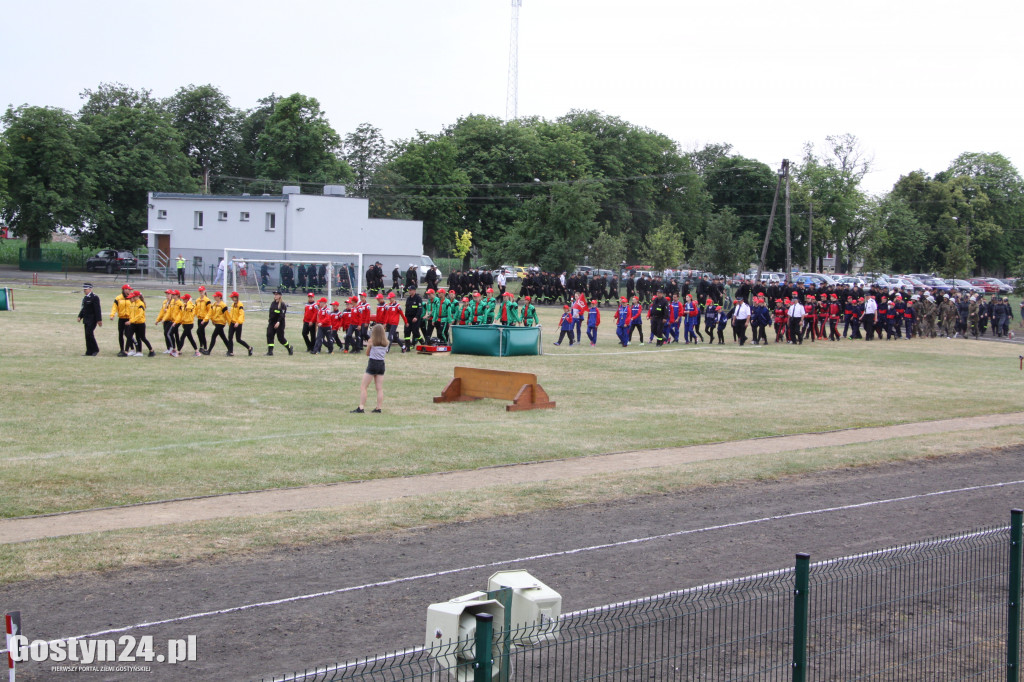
(6, 299)
(495, 340)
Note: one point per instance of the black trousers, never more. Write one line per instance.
(186, 334)
(139, 334)
(279, 332)
(123, 329)
(309, 334)
(91, 347)
(181, 275)
(796, 332)
(323, 335)
(218, 332)
(740, 327)
(235, 334)
(201, 331)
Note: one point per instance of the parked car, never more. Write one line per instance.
(986, 286)
(936, 284)
(818, 278)
(111, 261)
(1001, 286)
(509, 270)
(964, 286)
(143, 262)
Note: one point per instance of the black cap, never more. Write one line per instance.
(87, 286)
(277, 292)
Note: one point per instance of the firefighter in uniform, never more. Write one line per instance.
(275, 324)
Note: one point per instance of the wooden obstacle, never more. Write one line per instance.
(519, 387)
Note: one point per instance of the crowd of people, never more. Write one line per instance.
(700, 311)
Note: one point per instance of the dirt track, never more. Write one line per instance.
(720, 532)
(336, 495)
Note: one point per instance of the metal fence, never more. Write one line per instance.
(943, 609)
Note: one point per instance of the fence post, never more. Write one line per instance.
(1013, 604)
(504, 595)
(484, 654)
(800, 616)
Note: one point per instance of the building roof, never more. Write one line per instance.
(280, 198)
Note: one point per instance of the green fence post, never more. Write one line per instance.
(484, 653)
(1013, 605)
(800, 616)
(504, 595)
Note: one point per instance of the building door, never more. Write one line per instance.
(163, 244)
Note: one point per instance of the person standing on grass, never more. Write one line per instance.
(377, 350)
(91, 316)
(137, 319)
(218, 314)
(593, 322)
(120, 310)
(186, 321)
(275, 324)
(237, 318)
(202, 316)
(566, 326)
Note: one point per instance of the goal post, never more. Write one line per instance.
(342, 269)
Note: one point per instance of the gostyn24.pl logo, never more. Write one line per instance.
(126, 649)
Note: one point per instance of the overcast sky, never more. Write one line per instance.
(917, 82)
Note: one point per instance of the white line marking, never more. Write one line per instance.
(547, 555)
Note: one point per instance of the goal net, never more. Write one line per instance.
(256, 274)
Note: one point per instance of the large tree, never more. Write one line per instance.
(365, 152)
(133, 148)
(724, 248)
(209, 128)
(832, 182)
(298, 144)
(47, 178)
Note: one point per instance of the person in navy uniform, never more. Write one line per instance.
(91, 316)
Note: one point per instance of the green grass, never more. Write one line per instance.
(91, 432)
(229, 538)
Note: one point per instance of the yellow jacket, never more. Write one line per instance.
(218, 313)
(121, 307)
(174, 312)
(137, 312)
(237, 313)
(187, 312)
(165, 313)
(202, 307)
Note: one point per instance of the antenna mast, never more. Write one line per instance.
(512, 95)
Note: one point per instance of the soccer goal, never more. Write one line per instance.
(255, 273)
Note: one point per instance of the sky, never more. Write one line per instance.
(918, 83)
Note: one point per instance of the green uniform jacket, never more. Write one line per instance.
(529, 315)
(512, 313)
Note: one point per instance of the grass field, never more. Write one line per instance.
(81, 433)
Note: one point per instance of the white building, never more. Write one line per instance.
(201, 226)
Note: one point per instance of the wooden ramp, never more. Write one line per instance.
(519, 387)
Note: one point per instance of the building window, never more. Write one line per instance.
(161, 214)
(271, 222)
(244, 216)
(222, 215)
(198, 220)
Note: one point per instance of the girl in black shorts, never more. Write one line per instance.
(377, 349)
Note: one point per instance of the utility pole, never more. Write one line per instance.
(771, 221)
(789, 236)
(810, 234)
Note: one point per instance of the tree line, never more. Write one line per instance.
(585, 187)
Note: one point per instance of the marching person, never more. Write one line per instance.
(622, 321)
(120, 309)
(186, 320)
(202, 316)
(323, 328)
(91, 316)
(275, 324)
(237, 318)
(566, 327)
(137, 318)
(219, 315)
(376, 351)
(795, 314)
(309, 313)
(165, 316)
(740, 318)
(529, 313)
(593, 321)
